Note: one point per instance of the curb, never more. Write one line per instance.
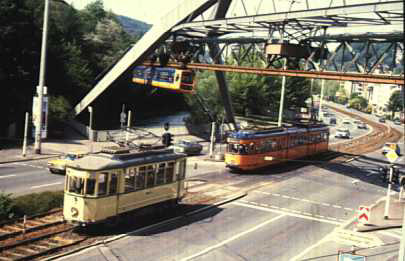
(29, 159)
(373, 227)
(103, 242)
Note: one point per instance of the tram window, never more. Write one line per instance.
(160, 175)
(140, 178)
(130, 180)
(102, 183)
(76, 185)
(169, 172)
(113, 183)
(150, 176)
(90, 186)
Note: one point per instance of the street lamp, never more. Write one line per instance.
(40, 89)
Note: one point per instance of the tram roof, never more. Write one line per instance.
(107, 161)
(299, 128)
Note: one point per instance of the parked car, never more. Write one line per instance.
(346, 122)
(361, 125)
(188, 147)
(389, 147)
(332, 121)
(382, 120)
(59, 165)
(342, 133)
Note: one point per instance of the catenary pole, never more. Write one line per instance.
(40, 89)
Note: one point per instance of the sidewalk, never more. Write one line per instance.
(377, 220)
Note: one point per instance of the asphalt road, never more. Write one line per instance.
(294, 217)
(28, 177)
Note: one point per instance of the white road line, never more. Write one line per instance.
(288, 213)
(232, 238)
(386, 233)
(303, 200)
(46, 185)
(320, 242)
(7, 176)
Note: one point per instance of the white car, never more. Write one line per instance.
(342, 133)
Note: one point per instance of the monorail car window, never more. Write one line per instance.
(187, 77)
(102, 184)
(150, 176)
(160, 175)
(170, 172)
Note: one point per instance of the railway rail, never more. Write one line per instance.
(27, 239)
(46, 234)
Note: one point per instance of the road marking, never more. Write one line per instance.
(7, 176)
(320, 242)
(29, 165)
(46, 185)
(249, 204)
(301, 199)
(232, 238)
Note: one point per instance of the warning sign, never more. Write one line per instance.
(363, 215)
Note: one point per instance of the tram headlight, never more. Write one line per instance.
(74, 211)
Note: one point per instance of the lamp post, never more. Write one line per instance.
(40, 88)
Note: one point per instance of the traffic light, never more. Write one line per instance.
(384, 174)
(167, 139)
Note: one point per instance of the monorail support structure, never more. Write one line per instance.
(222, 8)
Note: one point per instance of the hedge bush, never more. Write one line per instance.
(31, 204)
(6, 206)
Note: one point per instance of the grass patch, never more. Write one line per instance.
(31, 204)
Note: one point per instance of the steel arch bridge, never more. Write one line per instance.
(215, 26)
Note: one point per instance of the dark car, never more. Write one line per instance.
(381, 120)
(332, 121)
(188, 147)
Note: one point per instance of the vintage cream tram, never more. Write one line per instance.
(104, 185)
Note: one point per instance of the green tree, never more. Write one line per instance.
(395, 102)
(359, 103)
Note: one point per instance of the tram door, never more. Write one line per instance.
(180, 177)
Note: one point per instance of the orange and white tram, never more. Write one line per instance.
(250, 149)
(104, 185)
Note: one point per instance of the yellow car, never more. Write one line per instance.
(59, 165)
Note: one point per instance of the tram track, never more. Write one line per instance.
(29, 238)
(48, 233)
(367, 143)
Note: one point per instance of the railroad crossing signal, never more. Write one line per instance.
(392, 156)
(363, 214)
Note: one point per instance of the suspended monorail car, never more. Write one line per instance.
(104, 185)
(178, 80)
(251, 149)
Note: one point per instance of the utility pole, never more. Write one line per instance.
(24, 152)
(40, 88)
(387, 200)
(320, 101)
(280, 111)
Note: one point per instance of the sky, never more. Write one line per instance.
(150, 11)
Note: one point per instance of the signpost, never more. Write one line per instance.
(392, 156)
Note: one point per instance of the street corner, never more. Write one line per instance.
(380, 215)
